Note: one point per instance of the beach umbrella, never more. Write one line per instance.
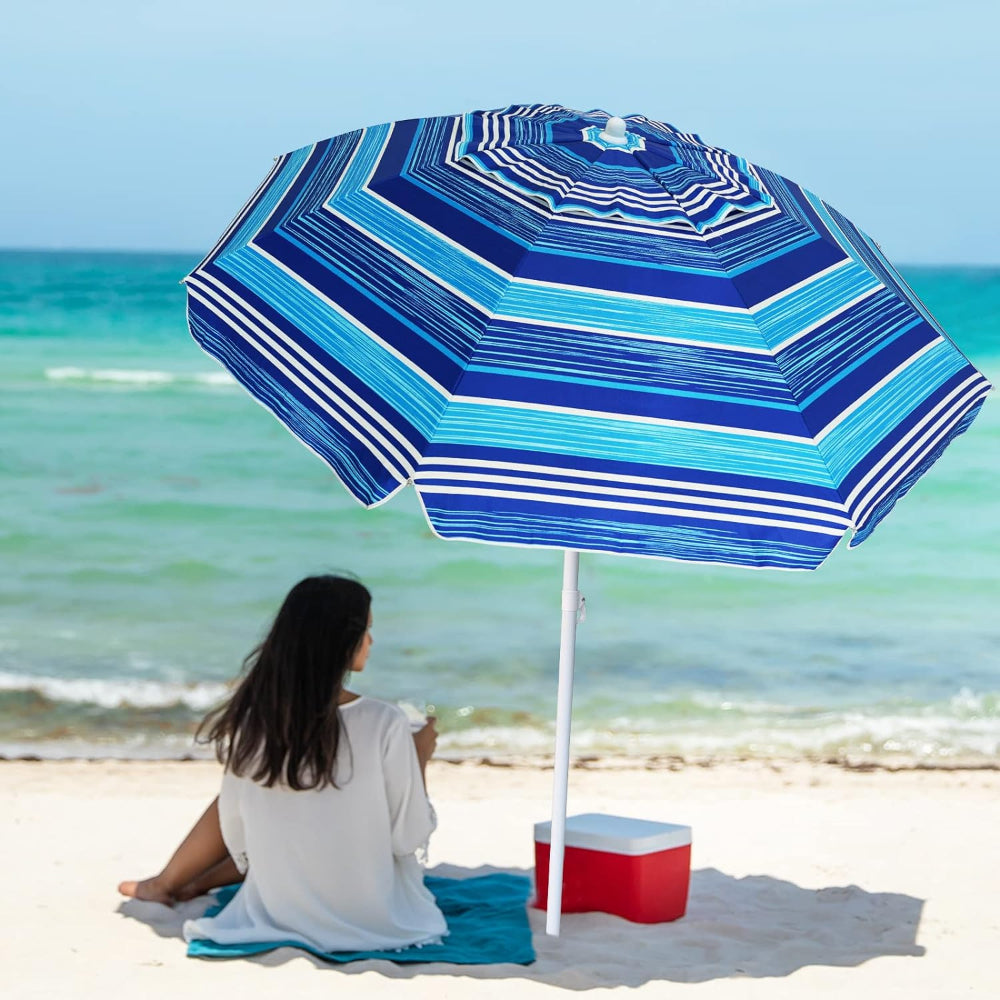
(578, 331)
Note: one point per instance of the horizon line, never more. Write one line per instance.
(166, 252)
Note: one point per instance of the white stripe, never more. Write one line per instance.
(600, 490)
(457, 537)
(727, 181)
(515, 404)
(740, 219)
(480, 463)
(862, 399)
(312, 381)
(638, 508)
(949, 411)
(892, 477)
(943, 405)
(679, 229)
(532, 169)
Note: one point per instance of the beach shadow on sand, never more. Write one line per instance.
(752, 927)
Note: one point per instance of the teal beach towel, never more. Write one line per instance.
(487, 923)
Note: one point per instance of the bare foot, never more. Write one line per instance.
(151, 889)
(189, 891)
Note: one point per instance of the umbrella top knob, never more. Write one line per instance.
(616, 132)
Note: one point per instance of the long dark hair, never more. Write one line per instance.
(282, 722)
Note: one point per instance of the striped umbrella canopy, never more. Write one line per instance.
(569, 335)
(584, 332)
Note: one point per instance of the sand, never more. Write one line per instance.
(808, 881)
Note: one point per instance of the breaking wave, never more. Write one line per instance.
(136, 376)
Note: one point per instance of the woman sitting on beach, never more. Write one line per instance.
(323, 805)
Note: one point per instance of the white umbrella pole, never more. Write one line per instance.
(564, 714)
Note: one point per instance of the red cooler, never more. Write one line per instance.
(634, 868)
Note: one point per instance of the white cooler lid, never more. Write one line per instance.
(617, 834)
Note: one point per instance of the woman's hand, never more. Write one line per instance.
(425, 740)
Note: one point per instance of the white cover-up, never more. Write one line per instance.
(334, 868)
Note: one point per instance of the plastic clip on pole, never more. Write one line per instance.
(571, 604)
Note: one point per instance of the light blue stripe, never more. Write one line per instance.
(795, 311)
(581, 307)
(867, 356)
(847, 444)
(381, 370)
(659, 389)
(384, 302)
(608, 439)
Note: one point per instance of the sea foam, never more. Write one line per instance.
(108, 693)
(136, 376)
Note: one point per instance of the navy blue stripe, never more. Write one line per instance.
(770, 277)
(829, 406)
(551, 265)
(316, 160)
(831, 403)
(349, 259)
(496, 520)
(586, 357)
(879, 323)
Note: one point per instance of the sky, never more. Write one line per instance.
(147, 124)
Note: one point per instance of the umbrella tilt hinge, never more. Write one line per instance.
(573, 600)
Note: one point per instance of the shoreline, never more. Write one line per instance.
(581, 762)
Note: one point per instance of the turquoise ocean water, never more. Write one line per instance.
(153, 516)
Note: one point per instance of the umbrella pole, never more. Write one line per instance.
(564, 715)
